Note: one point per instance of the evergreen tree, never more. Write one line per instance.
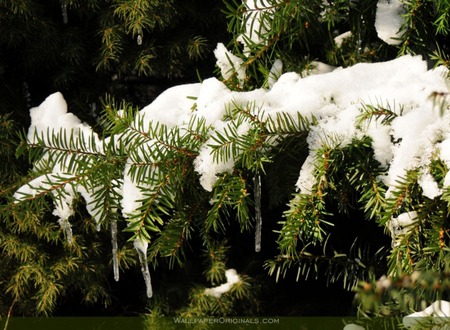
(131, 49)
(190, 184)
(85, 49)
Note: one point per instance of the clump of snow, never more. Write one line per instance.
(275, 73)
(339, 40)
(176, 104)
(229, 64)
(439, 310)
(429, 186)
(402, 225)
(388, 21)
(232, 278)
(208, 168)
(307, 179)
(52, 115)
(317, 67)
(381, 142)
(384, 283)
(335, 99)
(48, 119)
(258, 15)
(353, 326)
(131, 192)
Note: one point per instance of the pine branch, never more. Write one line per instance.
(349, 268)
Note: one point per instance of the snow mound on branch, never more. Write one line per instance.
(230, 65)
(388, 21)
(439, 310)
(258, 15)
(334, 99)
(232, 278)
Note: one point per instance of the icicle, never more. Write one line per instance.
(64, 11)
(141, 248)
(139, 39)
(115, 248)
(65, 225)
(258, 216)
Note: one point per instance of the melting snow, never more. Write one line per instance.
(232, 278)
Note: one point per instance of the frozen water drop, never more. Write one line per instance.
(67, 228)
(139, 40)
(141, 248)
(115, 249)
(258, 215)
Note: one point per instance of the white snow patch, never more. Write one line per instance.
(258, 15)
(275, 73)
(52, 116)
(172, 107)
(353, 326)
(232, 278)
(402, 225)
(388, 21)
(339, 40)
(439, 310)
(229, 64)
(317, 67)
(381, 142)
(429, 186)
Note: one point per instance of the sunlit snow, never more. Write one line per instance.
(334, 99)
(388, 21)
(232, 278)
(439, 311)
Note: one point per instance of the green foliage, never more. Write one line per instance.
(81, 172)
(294, 32)
(299, 33)
(400, 295)
(240, 298)
(39, 269)
(97, 51)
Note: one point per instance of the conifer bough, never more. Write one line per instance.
(199, 142)
(195, 159)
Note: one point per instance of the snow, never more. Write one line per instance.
(352, 326)
(257, 17)
(317, 67)
(402, 225)
(175, 102)
(232, 278)
(339, 40)
(52, 115)
(388, 21)
(335, 98)
(429, 186)
(439, 311)
(381, 142)
(229, 64)
(132, 194)
(275, 73)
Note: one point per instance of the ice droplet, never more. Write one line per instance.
(115, 249)
(258, 215)
(141, 248)
(64, 11)
(139, 40)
